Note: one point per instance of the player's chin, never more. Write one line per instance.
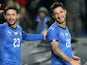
(11, 24)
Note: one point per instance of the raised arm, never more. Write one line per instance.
(32, 37)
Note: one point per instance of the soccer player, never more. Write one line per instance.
(11, 36)
(60, 38)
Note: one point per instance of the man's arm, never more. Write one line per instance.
(32, 37)
(58, 52)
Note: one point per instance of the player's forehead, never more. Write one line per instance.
(9, 11)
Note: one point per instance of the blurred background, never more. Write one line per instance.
(35, 17)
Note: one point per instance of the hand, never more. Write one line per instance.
(76, 58)
(45, 34)
(73, 62)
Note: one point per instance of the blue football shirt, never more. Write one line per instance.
(10, 43)
(63, 36)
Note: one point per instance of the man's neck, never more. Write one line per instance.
(13, 26)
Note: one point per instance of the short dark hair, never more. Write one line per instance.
(55, 5)
(11, 7)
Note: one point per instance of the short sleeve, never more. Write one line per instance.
(51, 35)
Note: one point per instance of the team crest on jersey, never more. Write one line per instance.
(15, 33)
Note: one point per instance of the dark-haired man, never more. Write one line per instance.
(60, 38)
(11, 36)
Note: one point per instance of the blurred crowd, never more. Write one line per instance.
(35, 15)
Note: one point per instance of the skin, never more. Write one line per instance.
(11, 16)
(59, 14)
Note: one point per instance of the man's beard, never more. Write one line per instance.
(60, 22)
(11, 24)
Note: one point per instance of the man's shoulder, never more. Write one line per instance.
(3, 26)
(19, 27)
(53, 26)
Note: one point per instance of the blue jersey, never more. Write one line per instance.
(10, 43)
(63, 37)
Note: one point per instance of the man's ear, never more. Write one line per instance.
(52, 15)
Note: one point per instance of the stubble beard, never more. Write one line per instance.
(11, 24)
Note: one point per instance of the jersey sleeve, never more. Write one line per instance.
(32, 37)
(51, 35)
